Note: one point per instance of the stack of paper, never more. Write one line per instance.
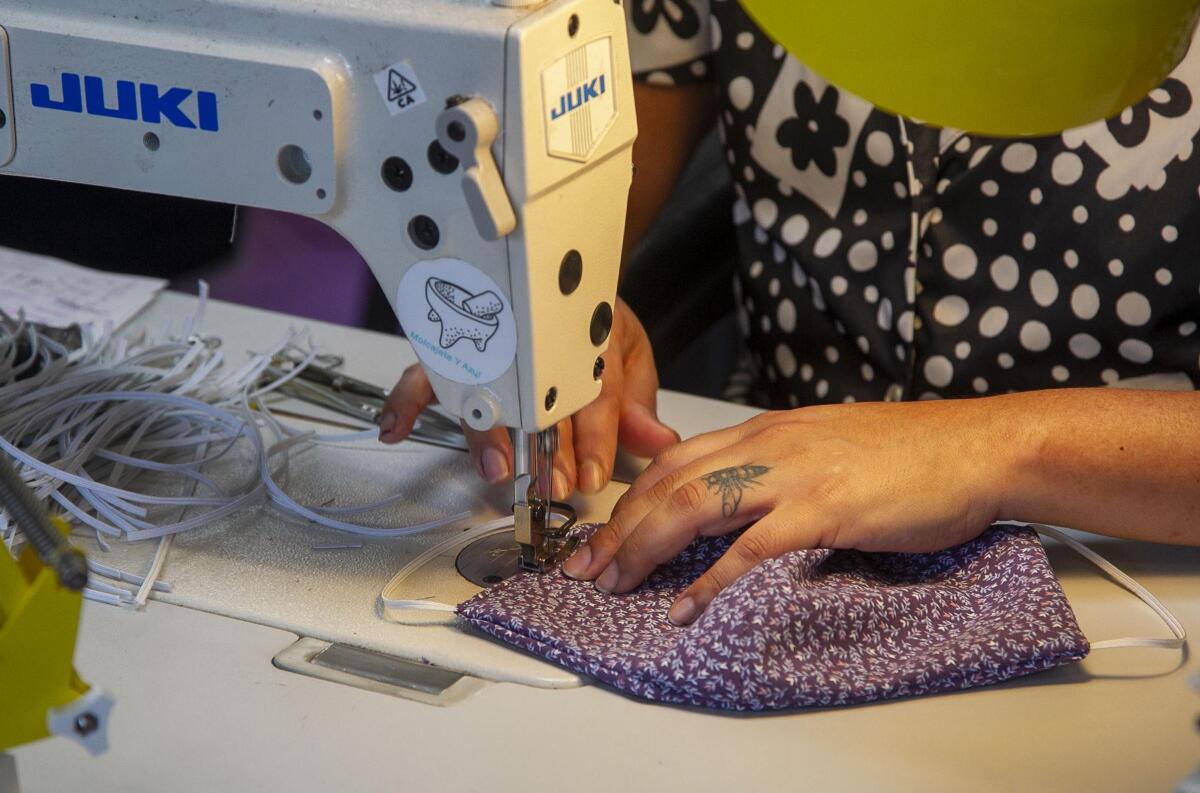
(55, 293)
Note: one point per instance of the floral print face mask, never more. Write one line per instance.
(808, 629)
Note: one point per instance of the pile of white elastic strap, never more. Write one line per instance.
(88, 429)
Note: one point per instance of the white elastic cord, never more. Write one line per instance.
(87, 427)
(156, 566)
(1113, 572)
(394, 607)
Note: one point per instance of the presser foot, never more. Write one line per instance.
(543, 545)
(490, 560)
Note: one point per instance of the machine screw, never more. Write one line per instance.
(602, 319)
(551, 398)
(424, 232)
(598, 368)
(3, 119)
(86, 723)
(149, 140)
(573, 25)
(456, 131)
(441, 160)
(570, 272)
(397, 174)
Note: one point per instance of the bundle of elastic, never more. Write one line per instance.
(120, 432)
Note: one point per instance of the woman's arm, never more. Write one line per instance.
(913, 476)
(671, 121)
(1112, 461)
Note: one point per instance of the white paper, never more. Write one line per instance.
(59, 294)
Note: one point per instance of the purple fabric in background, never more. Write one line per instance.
(295, 265)
(809, 629)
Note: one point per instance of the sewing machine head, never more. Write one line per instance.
(476, 154)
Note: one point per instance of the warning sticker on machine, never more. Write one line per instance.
(399, 87)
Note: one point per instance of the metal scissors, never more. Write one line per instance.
(320, 384)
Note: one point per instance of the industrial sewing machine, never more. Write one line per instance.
(477, 154)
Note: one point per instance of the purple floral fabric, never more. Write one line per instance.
(808, 629)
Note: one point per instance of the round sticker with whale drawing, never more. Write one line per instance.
(458, 320)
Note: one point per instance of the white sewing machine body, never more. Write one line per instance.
(501, 260)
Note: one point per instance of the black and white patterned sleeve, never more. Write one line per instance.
(670, 41)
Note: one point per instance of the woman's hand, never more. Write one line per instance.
(625, 411)
(911, 477)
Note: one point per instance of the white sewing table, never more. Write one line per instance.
(200, 706)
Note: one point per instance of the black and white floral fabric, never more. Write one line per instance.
(885, 259)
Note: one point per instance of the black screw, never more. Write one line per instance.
(602, 319)
(598, 368)
(573, 25)
(397, 174)
(441, 160)
(149, 140)
(3, 119)
(424, 232)
(456, 131)
(86, 723)
(318, 115)
(321, 193)
(551, 398)
(570, 272)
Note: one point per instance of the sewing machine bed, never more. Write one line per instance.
(200, 706)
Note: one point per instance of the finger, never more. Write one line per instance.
(713, 504)
(670, 461)
(491, 451)
(590, 559)
(565, 475)
(640, 430)
(408, 398)
(766, 539)
(596, 430)
(593, 559)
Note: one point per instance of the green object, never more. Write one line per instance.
(1005, 67)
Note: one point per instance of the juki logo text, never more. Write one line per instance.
(147, 101)
(573, 100)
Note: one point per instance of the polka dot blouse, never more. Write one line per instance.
(881, 258)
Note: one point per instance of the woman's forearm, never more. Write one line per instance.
(1113, 461)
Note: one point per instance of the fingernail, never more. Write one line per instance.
(561, 488)
(683, 612)
(591, 477)
(607, 581)
(495, 465)
(387, 423)
(579, 562)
